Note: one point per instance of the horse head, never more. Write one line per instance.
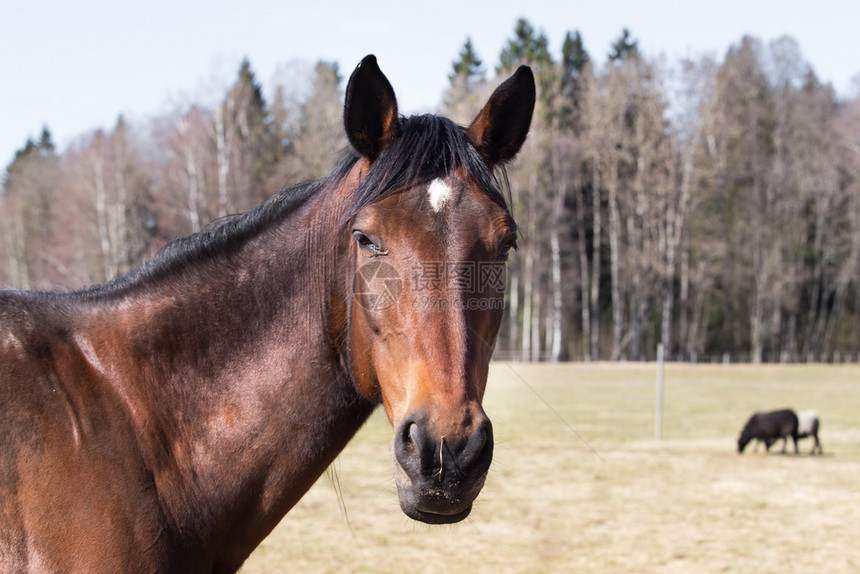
(428, 280)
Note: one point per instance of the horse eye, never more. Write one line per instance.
(363, 240)
(505, 251)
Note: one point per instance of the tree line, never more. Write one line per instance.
(712, 205)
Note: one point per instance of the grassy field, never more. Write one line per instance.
(579, 484)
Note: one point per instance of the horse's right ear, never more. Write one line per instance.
(370, 111)
(501, 127)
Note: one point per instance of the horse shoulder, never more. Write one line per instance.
(68, 458)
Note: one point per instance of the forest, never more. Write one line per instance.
(710, 204)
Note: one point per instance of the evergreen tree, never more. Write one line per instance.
(43, 148)
(46, 142)
(574, 57)
(249, 81)
(527, 46)
(258, 145)
(467, 69)
(29, 188)
(319, 130)
(465, 95)
(624, 48)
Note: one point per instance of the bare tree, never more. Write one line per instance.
(729, 226)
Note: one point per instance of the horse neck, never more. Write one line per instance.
(234, 382)
(233, 312)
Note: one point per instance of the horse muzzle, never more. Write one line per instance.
(439, 477)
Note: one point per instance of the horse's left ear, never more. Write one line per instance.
(501, 127)
(370, 111)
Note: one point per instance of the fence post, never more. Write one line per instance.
(658, 423)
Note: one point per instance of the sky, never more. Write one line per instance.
(75, 66)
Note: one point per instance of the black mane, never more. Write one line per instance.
(428, 147)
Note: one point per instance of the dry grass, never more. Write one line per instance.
(579, 484)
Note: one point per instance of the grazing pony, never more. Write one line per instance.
(807, 425)
(770, 427)
(168, 420)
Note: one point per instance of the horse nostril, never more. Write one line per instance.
(415, 434)
(414, 446)
(421, 454)
(474, 447)
(479, 445)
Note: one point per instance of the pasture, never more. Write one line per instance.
(578, 483)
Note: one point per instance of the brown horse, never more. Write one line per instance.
(165, 422)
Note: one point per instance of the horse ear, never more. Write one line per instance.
(370, 110)
(501, 127)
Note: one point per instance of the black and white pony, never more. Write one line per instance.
(770, 427)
